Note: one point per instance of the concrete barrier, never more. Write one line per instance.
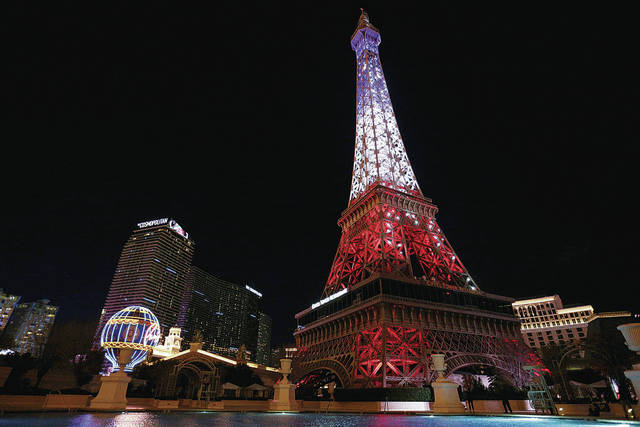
(21, 403)
(582, 410)
(66, 401)
(5, 371)
(364, 407)
(495, 406)
(167, 404)
(245, 405)
(141, 403)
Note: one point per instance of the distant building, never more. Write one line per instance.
(152, 272)
(603, 328)
(8, 304)
(544, 321)
(172, 344)
(226, 313)
(286, 351)
(263, 352)
(29, 328)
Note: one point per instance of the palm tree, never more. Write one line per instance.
(612, 361)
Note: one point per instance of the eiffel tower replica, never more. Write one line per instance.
(397, 291)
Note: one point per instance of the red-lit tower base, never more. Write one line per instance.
(382, 332)
(408, 296)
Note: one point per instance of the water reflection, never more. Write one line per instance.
(229, 419)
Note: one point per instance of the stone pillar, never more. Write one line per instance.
(113, 388)
(631, 333)
(284, 393)
(447, 400)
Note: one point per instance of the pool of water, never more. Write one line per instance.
(222, 419)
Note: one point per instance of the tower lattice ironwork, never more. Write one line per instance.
(389, 226)
(397, 291)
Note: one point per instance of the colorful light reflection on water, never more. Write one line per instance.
(224, 419)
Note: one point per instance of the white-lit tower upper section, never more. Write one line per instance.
(380, 156)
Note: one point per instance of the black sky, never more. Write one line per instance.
(238, 121)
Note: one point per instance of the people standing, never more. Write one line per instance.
(507, 406)
(470, 403)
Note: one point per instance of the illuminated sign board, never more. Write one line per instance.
(253, 290)
(329, 298)
(152, 223)
(175, 227)
(172, 225)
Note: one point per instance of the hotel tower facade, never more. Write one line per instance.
(153, 272)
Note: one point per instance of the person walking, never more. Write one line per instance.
(507, 406)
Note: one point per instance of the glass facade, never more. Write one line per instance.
(263, 355)
(8, 304)
(406, 290)
(226, 313)
(152, 272)
(30, 326)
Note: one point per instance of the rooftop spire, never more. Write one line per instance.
(380, 157)
(364, 22)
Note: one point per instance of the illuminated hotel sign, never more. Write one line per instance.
(175, 227)
(152, 223)
(172, 225)
(249, 288)
(329, 298)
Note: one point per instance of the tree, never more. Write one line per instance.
(197, 337)
(69, 346)
(86, 366)
(156, 375)
(611, 361)
(20, 364)
(241, 375)
(552, 357)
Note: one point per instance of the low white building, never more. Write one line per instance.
(172, 344)
(545, 321)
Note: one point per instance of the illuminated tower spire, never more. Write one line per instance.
(389, 227)
(397, 293)
(380, 156)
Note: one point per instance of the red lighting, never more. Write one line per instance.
(389, 240)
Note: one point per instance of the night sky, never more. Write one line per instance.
(520, 122)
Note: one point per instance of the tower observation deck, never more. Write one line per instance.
(396, 291)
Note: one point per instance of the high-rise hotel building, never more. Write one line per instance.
(545, 321)
(8, 304)
(228, 316)
(153, 272)
(29, 327)
(263, 343)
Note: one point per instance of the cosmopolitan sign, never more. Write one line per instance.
(162, 221)
(329, 298)
(153, 222)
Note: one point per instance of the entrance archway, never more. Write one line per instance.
(193, 377)
(509, 367)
